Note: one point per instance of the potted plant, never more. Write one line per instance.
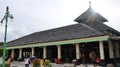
(1, 54)
(36, 63)
(47, 63)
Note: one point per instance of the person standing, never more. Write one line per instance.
(26, 61)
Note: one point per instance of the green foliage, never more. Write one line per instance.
(1, 52)
(47, 63)
(36, 63)
(6, 65)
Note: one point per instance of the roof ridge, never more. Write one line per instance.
(96, 31)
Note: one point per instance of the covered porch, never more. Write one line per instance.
(66, 51)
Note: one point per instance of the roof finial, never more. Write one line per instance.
(89, 4)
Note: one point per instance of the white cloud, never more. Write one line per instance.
(32, 16)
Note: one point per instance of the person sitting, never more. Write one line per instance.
(97, 60)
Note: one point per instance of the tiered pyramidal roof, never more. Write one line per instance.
(90, 15)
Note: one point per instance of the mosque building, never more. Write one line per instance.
(88, 39)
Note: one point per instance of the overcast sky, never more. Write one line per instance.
(37, 15)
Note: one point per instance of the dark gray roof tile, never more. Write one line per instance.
(63, 33)
(101, 27)
(90, 13)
